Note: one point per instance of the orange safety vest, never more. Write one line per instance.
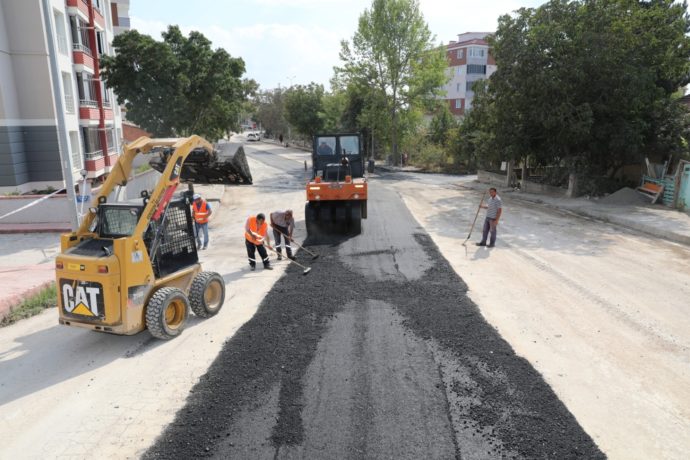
(253, 227)
(200, 212)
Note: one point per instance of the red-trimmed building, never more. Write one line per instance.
(50, 52)
(469, 60)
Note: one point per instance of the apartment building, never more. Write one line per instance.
(469, 60)
(55, 112)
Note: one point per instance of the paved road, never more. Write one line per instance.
(383, 350)
(377, 353)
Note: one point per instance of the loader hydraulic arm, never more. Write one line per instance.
(165, 187)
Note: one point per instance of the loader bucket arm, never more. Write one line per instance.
(181, 147)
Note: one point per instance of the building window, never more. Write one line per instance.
(476, 69)
(106, 94)
(476, 52)
(61, 32)
(80, 35)
(468, 86)
(457, 87)
(69, 92)
(77, 162)
(458, 103)
(459, 70)
(461, 53)
(92, 143)
(99, 43)
(87, 90)
(110, 139)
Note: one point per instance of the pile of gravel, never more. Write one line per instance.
(626, 195)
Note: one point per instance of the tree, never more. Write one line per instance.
(304, 108)
(392, 51)
(270, 111)
(441, 125)
(588, 84)
(177, 87)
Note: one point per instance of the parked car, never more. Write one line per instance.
(253, 137)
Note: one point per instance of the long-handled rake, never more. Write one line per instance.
(288, 239)
(306, 269)
(464, 243)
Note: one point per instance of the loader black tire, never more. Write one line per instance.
(207, 294)
(167, 312)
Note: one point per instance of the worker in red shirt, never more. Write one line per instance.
(255, 233)
(201, 211)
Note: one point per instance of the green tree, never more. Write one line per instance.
(441, 125)
(270, 111)
(304, 108)
(177, 87)
(392, 51)
(588, 84)
(334, 106)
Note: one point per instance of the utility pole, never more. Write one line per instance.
(63, 138)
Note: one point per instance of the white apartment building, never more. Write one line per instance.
(51, 96)
(469, 60)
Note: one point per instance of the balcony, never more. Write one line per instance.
(78, 7)
(88, 110)
(98, 18)
(111, 159)
(82, 57)
(95, 155)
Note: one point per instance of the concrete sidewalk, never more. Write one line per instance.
(655, 220)
(27, 253)
(633, 212)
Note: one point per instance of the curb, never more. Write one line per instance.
(10, 303)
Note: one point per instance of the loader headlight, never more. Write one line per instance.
(356, 197)
(359, 186)
(318, 197)
(314, 188)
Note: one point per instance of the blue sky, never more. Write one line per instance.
(285, 42)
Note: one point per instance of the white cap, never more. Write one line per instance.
(196, 196)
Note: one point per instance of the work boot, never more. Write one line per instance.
(280, 256)
(291, 257)
(268, 267)
(480, 244)
(252, 267)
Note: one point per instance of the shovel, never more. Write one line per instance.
(313, 254)
(306, 269)
(475, 220)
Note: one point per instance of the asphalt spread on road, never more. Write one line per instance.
(302, 380)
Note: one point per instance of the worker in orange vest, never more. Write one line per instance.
(201, 211)
(255, 233)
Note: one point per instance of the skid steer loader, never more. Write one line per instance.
(337, 191)
(134, 265)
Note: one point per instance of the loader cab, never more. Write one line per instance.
(117, 220)
(170, 240)
(335, 156)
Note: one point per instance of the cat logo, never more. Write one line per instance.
(177, 169)
(83, 298)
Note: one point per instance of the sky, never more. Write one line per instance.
(290, 42)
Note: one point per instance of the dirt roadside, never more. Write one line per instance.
(609, 334)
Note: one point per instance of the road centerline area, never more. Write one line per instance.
(345, 354)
